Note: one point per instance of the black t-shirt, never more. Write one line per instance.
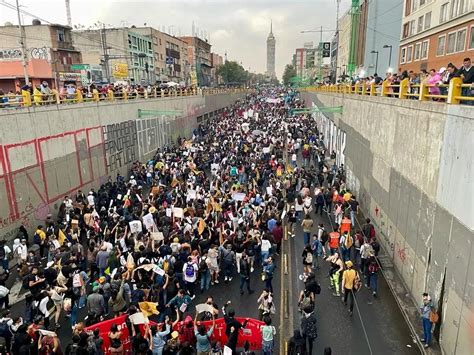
(353, 204)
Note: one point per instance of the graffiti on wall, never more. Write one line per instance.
(7, 54)
(334, 137)
(31, 173)
(40, 53)
(121, 147)
(35, 53)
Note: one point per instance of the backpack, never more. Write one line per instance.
(309, 258)
(5, 330)
(300, 349)
(376, 246)
(203, 266)
(305, 302)
(36, 239)
(372, 231)
(166, 265)
(74, 349)
(373, 267)
(348, 241)
(189, 270)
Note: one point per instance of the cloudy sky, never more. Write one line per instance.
(239, 27)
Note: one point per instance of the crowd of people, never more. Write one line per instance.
(200, 213)
(437, 79)
(43, 94)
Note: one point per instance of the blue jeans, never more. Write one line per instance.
(346, 254)
(306, 236)
(244, 281)
(228, 270)
(353, 218)
(205, 280)
(467, 92)
(268, 284)
(427, 330)
(102, 271)
(264, 255)
(74, 308)
(372, 281)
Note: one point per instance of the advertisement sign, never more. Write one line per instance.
(69, 76)
(326, 49)
(120, 70)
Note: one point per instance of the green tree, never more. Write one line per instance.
(290, 72)
(233, 73)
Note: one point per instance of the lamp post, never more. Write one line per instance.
(376, 60)
(389, 55)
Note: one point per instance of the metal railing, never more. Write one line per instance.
(26, 99)
(451, 94)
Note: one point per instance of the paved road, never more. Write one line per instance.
(244, 305)
(377, 325)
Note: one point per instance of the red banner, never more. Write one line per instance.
(104, 329)
(251, 333)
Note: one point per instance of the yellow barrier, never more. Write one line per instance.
(26, 99)
(404, 90)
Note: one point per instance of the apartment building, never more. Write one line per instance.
(199, 58)
(435, 33)
(50, 55)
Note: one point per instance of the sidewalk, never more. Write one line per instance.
(403, 298)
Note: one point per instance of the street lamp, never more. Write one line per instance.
(376, 60)
(390, 54)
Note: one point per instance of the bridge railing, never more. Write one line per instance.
(26, 99)
(451, 94)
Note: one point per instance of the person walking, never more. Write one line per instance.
(372, 271)
(349, 284)
(307, 259)
(268, 334)
(296, 344)
(309, 329)
(244, 273)
(426, 308)
(335, 272)
(268, 270)
(334, 241)
(307, 224)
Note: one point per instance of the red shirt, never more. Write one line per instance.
(334, 240)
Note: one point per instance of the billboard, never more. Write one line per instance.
(120, 70)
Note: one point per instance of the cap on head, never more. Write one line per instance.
(349, 263)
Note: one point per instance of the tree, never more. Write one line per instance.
(290, 72)
(233, 73)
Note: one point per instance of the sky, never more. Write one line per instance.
(238, 27)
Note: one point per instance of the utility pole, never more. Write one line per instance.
(23, 45)
(103, 36)
(338, 2)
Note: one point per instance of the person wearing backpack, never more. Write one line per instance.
(204, 272)
(5, 252)
(190, 270)
(317, 248)
(227, 262)
(5, 328)
(297, 344)
(372, 270)
(306, 300)
(309, 329)
(346, 244)
(75, 348)
(244, 274)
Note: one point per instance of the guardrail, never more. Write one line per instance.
(26, 99)
(451, 94)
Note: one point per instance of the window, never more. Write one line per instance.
(414, 5)
(61, 35)
(427, 20)
(424, 49)
(412, 27)
(443, 15)
(451, 43)
(420, 24)
(405, 30)
(409, 54)
(441, 45)
(422, 2)
(461, 41)
(471, 36)
(403, 56)
(416, 55)
(407, 7)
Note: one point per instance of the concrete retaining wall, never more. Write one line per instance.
(51, 151)
(411, 165)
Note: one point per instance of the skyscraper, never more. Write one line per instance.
(271, 53)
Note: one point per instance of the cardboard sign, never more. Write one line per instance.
(157, 236)
(204, 307)
(178, 212)
(191, 194)
(148, 221)
(135, 226)
(239, 196)
(138, 318)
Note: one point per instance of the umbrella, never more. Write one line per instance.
(172, 83)
(257, 132)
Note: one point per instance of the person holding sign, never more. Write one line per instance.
(203, 343)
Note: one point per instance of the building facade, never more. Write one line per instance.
(122, 52)
(343, 44)
(170, 55)
(199, 58)
(271, 44)
(305, 61)
(50, 56)
(435, 33)
(216, 62)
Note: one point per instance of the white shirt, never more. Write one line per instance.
(293, 157)
(266, 245)
(108, 245)
(190, 278)
(91, 200)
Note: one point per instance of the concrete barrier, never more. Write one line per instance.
(411, 166)
(47, 152)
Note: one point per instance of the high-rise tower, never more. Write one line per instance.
(271, 53)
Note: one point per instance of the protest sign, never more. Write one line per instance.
(135, 226)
